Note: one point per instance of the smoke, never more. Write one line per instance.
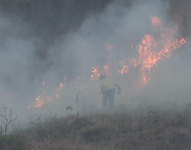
(65, 46)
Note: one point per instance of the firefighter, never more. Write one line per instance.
(108, 90)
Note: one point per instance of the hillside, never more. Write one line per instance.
(167, 130)
(52, 49)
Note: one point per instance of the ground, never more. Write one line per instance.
(161, 130)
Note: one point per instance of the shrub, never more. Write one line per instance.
(97, 134)
(11, 143)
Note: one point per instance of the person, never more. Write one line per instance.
(108, 90)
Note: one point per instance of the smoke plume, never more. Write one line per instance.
(50, 49)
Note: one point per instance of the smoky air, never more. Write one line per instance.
(52, 50)
(95, 74)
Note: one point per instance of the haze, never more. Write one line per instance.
(60, 42)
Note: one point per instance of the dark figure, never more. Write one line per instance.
(108, 90)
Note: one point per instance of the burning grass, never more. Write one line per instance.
(118, 131)
(155, 46)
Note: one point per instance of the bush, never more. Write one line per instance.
(11, 143)
(97, 134)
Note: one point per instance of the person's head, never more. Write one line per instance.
(102, 76)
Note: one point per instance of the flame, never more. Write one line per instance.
(124, 67)
(95, 73)
(151, 51)
(155, 21)
(153, 47)
(107, 67)
(61, 86)
(39, 101)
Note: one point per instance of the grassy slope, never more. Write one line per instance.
(152, 131)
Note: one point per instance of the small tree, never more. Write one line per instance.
(6, 120)
(69, 108)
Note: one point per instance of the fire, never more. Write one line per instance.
(39, 101)
(95, 73)
(107, 67)
(153, 47)
(124, 67)
(133, 62)
(61, 86)
(152, 50)
(155, 20)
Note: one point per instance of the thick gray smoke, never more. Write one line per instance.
(37, 49)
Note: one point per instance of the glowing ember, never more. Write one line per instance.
(124, 66)
(106, 67)
(124, 69)
(60, 88)
(95, 73)
(39, 101)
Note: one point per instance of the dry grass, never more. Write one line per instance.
(152, 131)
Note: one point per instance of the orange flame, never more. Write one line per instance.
(61, 86)
(107, 67)
(95, 73)
(150, 51)
(124, 67)
(39, 101)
